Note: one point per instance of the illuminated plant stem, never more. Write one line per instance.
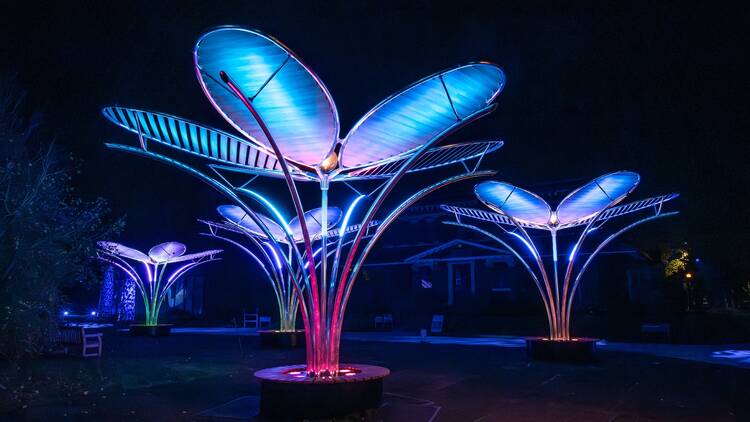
(337, 317)
(515, 253)
(325, 323)
(601, 246)
(338, 322)
(315, 337)
(558, 329)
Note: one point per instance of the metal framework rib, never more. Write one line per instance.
(624, 209)
(491, 217)
(196, 139)
(435, 157)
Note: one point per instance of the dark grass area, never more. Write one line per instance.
(178, 377)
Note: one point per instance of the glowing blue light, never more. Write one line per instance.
(528, 245)
(573, 252)
(93, 313)
(348, 214)
(65, 313)
(273, 209)
(275, 255)
(148, 271)
(178, 271)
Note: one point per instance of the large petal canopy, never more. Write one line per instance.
(514, 202)
(422, 112)
(595, 196)
(290, 99)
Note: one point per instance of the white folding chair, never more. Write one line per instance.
(250, 320)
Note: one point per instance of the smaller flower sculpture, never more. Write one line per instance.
(256, 245)
(517, 211)
(154, 289)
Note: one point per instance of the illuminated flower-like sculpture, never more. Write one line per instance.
(239, 230)
(289, 128)
(516, 211)
(154, 286)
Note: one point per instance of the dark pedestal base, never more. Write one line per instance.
(275, 339)
(286, 392)
(580, 350)
(161, 330)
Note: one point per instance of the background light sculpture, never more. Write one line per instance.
(291, 131)
(153, 286)
(255, 244)
(588, 208)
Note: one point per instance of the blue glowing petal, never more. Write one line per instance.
(290, 98)
(238, 216)
(313, 219)
(164, 252)
(190, 137)
(597, 195)
(422, 111)
(514, 202)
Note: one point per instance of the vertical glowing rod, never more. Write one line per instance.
(325, 340)
(553, 233)
(315, 337)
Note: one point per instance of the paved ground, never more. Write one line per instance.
(192, 376)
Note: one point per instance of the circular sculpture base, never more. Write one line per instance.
(276, 339)
(287, 392)
(579, 350)
(161, 330)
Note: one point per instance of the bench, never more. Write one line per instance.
(89, 341)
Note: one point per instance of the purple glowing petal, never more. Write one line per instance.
(166, 251)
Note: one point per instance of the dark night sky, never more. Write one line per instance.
(658, 89)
